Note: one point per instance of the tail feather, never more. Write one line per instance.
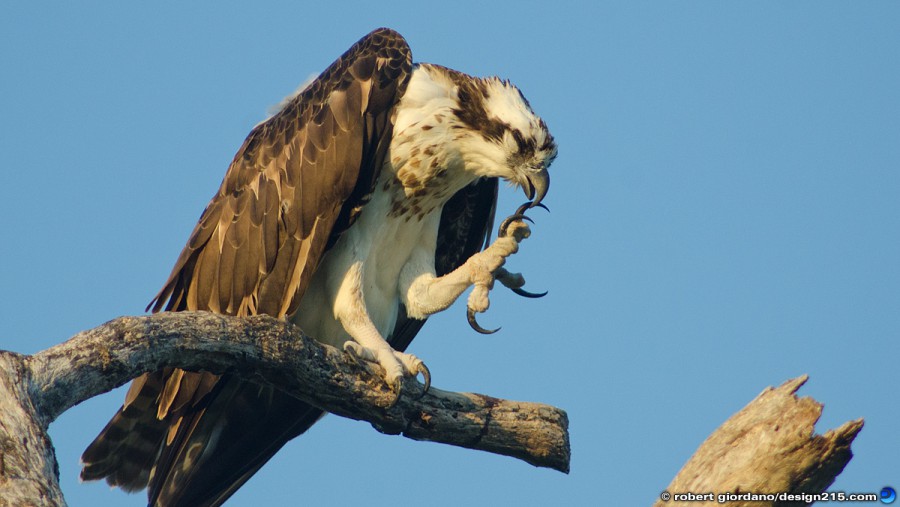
(201, 454)
(126, 449)
(223, 443)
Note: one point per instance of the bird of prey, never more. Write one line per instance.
(364, 205)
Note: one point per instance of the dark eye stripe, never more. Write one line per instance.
(526, 146)
(472, 112)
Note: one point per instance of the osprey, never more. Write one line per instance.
(360, 208)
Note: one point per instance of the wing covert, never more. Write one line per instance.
(298, 181)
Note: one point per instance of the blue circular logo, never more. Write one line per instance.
(888, 495)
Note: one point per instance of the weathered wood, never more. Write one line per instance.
(267, 350)
(36, 389)
(769, 447)
(29, 475)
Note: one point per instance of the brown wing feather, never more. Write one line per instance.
(298, 181)
(294, 184)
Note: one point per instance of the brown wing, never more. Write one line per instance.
(299, 180)
(465, 229)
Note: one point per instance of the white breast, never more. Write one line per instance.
(370, 254)
(421, 173)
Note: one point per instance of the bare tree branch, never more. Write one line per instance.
(770, 446)
(271, 351)
(29, 474)
(37, 389)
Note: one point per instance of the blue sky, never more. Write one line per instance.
(725, 216)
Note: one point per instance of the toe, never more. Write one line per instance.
(510, 280)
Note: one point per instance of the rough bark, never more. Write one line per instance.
(29, 475)
(769, 447)
(35, 390)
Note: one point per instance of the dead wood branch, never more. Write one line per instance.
(769, 447)
(37, 389)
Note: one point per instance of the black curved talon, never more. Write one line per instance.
(524, 207)
(470, 315)
(526, 294)
(397, 394)
(509, 220)
(529, 205)
(426, 374)
(520, 215)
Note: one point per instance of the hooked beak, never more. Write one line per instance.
(538, 184)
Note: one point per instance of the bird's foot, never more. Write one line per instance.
(396, 364)
(515, 281)
(487, 266)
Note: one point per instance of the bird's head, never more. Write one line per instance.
(507, 139)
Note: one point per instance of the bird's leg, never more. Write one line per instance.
(368, 344)
(425, 294)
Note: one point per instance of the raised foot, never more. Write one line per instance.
(488, 264)
(490, 268)
(396, 364)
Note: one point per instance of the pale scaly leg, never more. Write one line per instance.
(427, 294)
(368, 344)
